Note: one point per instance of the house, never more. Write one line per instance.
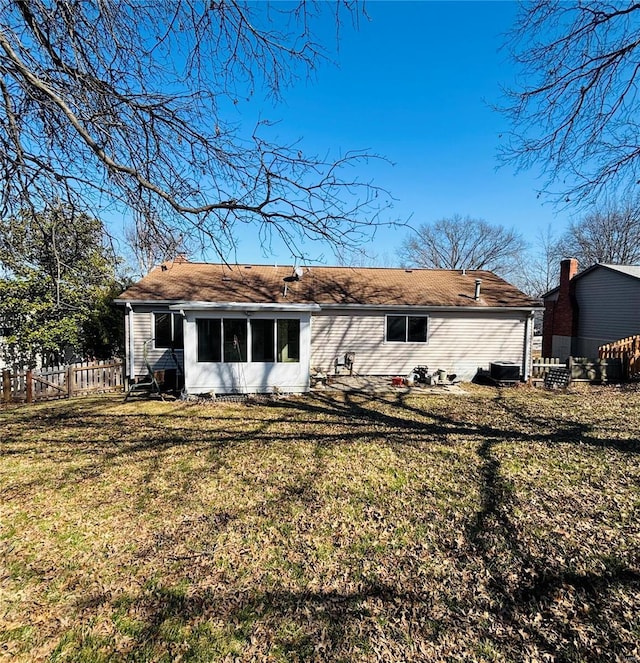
(256, 328)
(588, 309)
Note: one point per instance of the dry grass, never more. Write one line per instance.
(493, 526)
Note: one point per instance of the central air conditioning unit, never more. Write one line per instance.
(504, 371)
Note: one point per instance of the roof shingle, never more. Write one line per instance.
(183, 281)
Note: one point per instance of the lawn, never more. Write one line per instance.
(495, 525)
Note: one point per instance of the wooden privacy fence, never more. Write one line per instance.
(62, 381)
(628, 351)
(541, 366)
(577, 369)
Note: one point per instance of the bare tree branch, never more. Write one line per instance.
(574, 110)
(609, 234)
(126, 104)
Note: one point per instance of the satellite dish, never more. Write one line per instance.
(296, 276)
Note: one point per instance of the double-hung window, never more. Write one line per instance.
(168, 332)
(406, 329)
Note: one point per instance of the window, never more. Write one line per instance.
(262, 340)
(288, 340)
(209, 339)
(416, 329)
(226, 340)
(397, 328)
(168, 331)
(407, 328)
(235, 340)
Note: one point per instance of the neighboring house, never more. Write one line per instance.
(255, 328)
(590, 308)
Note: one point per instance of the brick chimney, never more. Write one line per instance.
(560, 326)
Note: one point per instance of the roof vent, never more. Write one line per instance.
(408, 271)
(248, 266)
(476, 295)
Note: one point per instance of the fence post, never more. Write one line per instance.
(69, 378)
(6, 385)
(29, 386)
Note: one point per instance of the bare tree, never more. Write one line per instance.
(463, 243)
(537, 272)
(124, 104)
(610, 234)
(574, 111)
(150, 241)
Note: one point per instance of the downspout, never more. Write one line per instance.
(528, 342)
(131, 343)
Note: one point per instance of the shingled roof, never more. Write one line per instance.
(183, 281)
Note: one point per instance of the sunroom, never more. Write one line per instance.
(241, 348)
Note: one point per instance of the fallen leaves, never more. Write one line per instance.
(494, 526)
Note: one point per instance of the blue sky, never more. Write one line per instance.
(416, 84)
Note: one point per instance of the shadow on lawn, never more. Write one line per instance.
(570, 615)
(567, 615)
(529, 602)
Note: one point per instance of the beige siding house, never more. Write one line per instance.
(256, 328)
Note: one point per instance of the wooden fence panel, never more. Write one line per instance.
(103, 376)
(587, 369)
(62, 381)
(48, 384)
(581, 369)
(627, 350)
(542, 366)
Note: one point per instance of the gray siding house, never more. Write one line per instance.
(590, 308)
(256, 328)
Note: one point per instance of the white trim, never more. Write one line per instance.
(174, 304)
(426, 309)
(240, 307)
(528, 349)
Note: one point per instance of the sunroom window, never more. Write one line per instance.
(226, 339)
(235, 339)
(209, 339)
(263, 341)
(288, 341)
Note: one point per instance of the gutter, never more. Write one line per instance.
(175, 305)
(241, 307)
(130, 358)
(428, 308)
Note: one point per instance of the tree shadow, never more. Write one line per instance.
(523, 587)
(517, 599)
